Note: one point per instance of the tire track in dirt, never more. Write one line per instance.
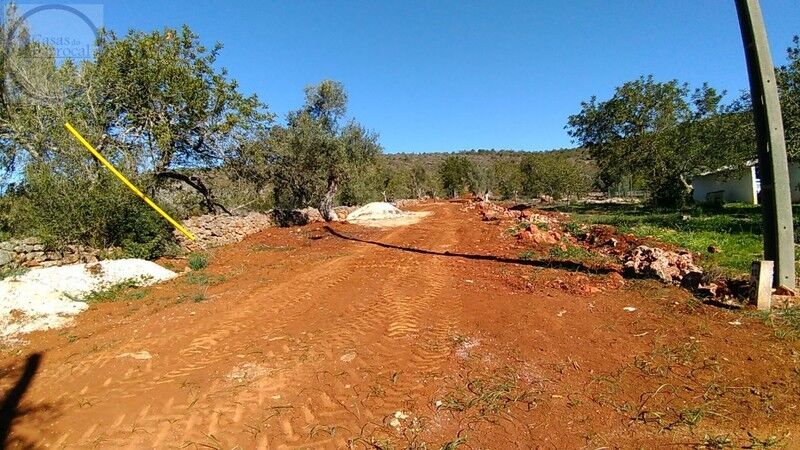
(199, 354)
(220, 410)
(365, 319)
(337, 324)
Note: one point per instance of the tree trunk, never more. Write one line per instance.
(686, 184)
(326, 206)
(209, 201)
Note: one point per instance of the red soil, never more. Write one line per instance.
(317, 337)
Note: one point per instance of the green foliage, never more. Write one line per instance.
(554, 175)
(198, 261)
(505, 178)
(396, 183)
(784, 322)
(313, 156)
(459, 175)
(204, 279)
(12, 272)
(571, 253)
(98, 211)
(150, 102)
(663, 133)
(122, 290)
(163, 91)
(788, 78)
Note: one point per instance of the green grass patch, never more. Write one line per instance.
(126, 290)
(204, 279)
(12, 272)
(785, 323)
(735, 229)
(198, 261)
(571, 253)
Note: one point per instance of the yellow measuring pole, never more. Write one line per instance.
(125, 181)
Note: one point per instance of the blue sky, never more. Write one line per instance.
(450, 75)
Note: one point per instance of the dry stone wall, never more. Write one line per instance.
(32, 252)
(212, 230)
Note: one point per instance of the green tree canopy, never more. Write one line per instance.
(505, 178)
(459, 175)
(554, 175)
(313, 156)
(662, 133)
(789, 88)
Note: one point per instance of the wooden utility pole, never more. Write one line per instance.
(776, 199)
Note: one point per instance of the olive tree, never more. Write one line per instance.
(789, 88)
(314, 154)
(662, 133)
(169, 107)
(458, 175)
(554, 175)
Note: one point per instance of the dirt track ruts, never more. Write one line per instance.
(314, 340)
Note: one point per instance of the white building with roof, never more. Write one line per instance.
(738, 184)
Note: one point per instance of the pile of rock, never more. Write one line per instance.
(540, 236)
(212, 230)
(32, 252)
(663, 264)
(296, 217)
(607, 240)
(343, 211)
(406, 202)
(491, 212)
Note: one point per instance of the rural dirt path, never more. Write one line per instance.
(329, 337)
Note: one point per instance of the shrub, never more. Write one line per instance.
(198, 261)
(98, 211)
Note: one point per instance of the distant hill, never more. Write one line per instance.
(483, 158)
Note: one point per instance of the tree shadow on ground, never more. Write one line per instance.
(547, 264)
(11, 409)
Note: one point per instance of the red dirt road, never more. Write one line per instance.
(411, 337)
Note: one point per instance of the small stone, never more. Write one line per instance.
(785, 290)
(347, 357)
(6, 257)
(142, 355)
